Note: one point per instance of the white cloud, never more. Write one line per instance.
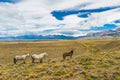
(34, 16)
(94, 4)
(99, 19)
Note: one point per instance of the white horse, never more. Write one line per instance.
(20, 57)
(38, 57)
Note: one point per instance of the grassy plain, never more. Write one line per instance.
(92, 60)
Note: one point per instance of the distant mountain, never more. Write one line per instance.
(108, 34)
(38, 37)
(105, 34)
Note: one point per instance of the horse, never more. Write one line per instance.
(68, 54)
(20, 57)
(39, 57)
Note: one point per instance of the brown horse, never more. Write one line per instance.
(68, 54)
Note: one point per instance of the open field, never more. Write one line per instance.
(92, 60)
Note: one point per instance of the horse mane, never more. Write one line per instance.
(72, 51)
(27, 54)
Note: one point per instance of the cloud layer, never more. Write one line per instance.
(63, 17)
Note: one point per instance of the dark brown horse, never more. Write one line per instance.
(68, 54)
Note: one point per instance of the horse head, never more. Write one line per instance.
(72, 51)
(27, 54)
(45, 54)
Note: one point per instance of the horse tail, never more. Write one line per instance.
(32, 59)
(14, 60)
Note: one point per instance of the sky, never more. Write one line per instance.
(58, 17)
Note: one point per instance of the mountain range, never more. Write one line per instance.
(107, 34)
(38, 37)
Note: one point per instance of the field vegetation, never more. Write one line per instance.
(92, 60)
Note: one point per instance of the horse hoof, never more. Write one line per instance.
(62, 60)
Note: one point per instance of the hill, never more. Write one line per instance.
(92, 60)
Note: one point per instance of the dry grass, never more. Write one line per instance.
(92, 60)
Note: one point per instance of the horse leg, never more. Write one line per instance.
(41, 60)
(14, 60)
(70, 56)
(64, 57)
(32, 60)
(23, 61)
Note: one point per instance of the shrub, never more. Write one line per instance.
(95, 77)
(70, 74)
(103, 64)
(32, 75)
(59, 73)
(52, 78)
(86, 60)
(117, 77)
(89, 66)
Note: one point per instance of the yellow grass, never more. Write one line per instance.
(92, 60)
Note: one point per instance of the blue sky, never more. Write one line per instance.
(10, 1)
(58, 17)
(84, 12)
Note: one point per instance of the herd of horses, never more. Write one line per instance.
(39, 57)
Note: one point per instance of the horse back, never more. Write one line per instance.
(19, 57)
(34, 56)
